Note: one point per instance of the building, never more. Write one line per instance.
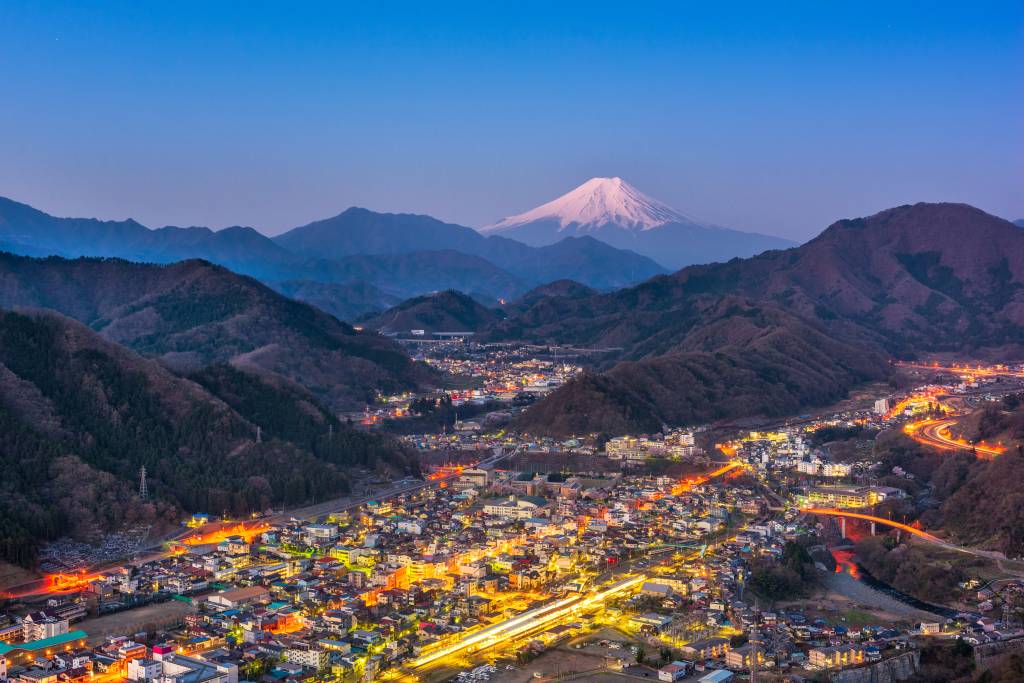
(318, 534)
(19, 654)
(881, 406)
(743, 657)
(522, 507)
(144, 669)
(239, 597)
(654, 623)
(709, 648)
(836, 469)
(624, 448)
(719, 676)
(308, 657)
(473, 477)
(674, 671)
(836, 657)
(852, 496)
(42, 625)
(175, 668)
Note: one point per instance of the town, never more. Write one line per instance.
(653, 556)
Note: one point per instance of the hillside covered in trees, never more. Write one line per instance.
(784, 329)
(80, 415)
(192, 314)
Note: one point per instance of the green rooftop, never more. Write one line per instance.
(44, 643)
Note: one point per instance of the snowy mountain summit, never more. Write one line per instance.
(597, 203)
(615, 212)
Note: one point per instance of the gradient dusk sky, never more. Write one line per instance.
(778, 119)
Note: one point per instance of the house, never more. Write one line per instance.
(657, 590)
(674, 671)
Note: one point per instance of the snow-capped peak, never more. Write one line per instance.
(596, 203)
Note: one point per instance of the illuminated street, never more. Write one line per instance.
(935, 433)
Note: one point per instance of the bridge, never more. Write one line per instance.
(847, 514)
(923, 535)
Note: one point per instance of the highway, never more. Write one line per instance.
(935, 433)
(978, 371)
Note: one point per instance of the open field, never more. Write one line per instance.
(150, 617)
(13, 575)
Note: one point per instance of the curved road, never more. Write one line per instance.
(934, 432)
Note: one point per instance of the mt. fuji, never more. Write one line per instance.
(615, 212)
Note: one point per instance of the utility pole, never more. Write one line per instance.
(755, 641)
(143, 489)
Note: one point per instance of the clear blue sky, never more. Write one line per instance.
(776, 119)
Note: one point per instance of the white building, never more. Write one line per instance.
(308, 657)
(40, 625)
(517, 507)
(321, 533)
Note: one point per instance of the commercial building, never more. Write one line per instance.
(25, 653)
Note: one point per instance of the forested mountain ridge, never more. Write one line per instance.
(193, 313)
(447, 311)
(927, 277)
(79, 416)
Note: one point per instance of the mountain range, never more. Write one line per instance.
(226, 390)
(787, 328)
(615, 212)
(605, 234)
(399, 255)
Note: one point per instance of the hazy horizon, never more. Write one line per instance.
(772, 120)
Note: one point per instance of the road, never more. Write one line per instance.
(935, 433)
(64, 584)
(978, 371)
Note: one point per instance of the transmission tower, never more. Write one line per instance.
(143, 489)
